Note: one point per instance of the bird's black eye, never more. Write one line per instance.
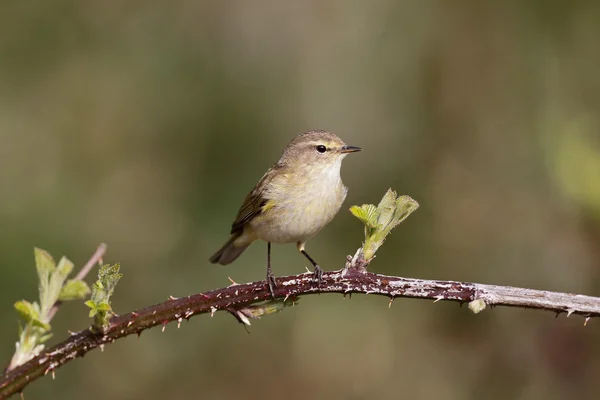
(321, 148)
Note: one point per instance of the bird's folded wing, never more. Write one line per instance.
(255, 201)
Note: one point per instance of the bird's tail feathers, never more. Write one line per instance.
(230, 251)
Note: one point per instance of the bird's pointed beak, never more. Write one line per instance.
(350, 149)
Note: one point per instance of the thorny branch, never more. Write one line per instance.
(238, 297)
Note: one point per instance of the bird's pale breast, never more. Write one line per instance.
(299, 212)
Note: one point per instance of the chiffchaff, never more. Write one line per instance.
(294, 199)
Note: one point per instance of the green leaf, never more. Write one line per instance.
(31, 313)
(103, 288)
(44, 263)
(386, 207)
(367, 213)
(64, 267)
(405, 205)
(55, 285)
(27, 310)
(93, 308)
(109, 276)
(74, 289)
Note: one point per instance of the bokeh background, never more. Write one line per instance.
(144, 125)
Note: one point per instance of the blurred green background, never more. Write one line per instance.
(144, 126)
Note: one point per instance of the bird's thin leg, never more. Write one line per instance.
(270, 277)
(318, 271)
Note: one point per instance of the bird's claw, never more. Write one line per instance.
(272, 284)
(318, 275)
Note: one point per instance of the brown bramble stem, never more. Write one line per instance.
(352, 279)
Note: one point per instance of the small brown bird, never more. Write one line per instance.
(293, 201)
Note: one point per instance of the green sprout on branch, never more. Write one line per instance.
(53, 287)
(102, 290)
(380, 220)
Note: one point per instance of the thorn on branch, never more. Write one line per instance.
(239, 316)
(569, 312)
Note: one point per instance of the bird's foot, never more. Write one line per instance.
(271, 283)
(318, 275)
